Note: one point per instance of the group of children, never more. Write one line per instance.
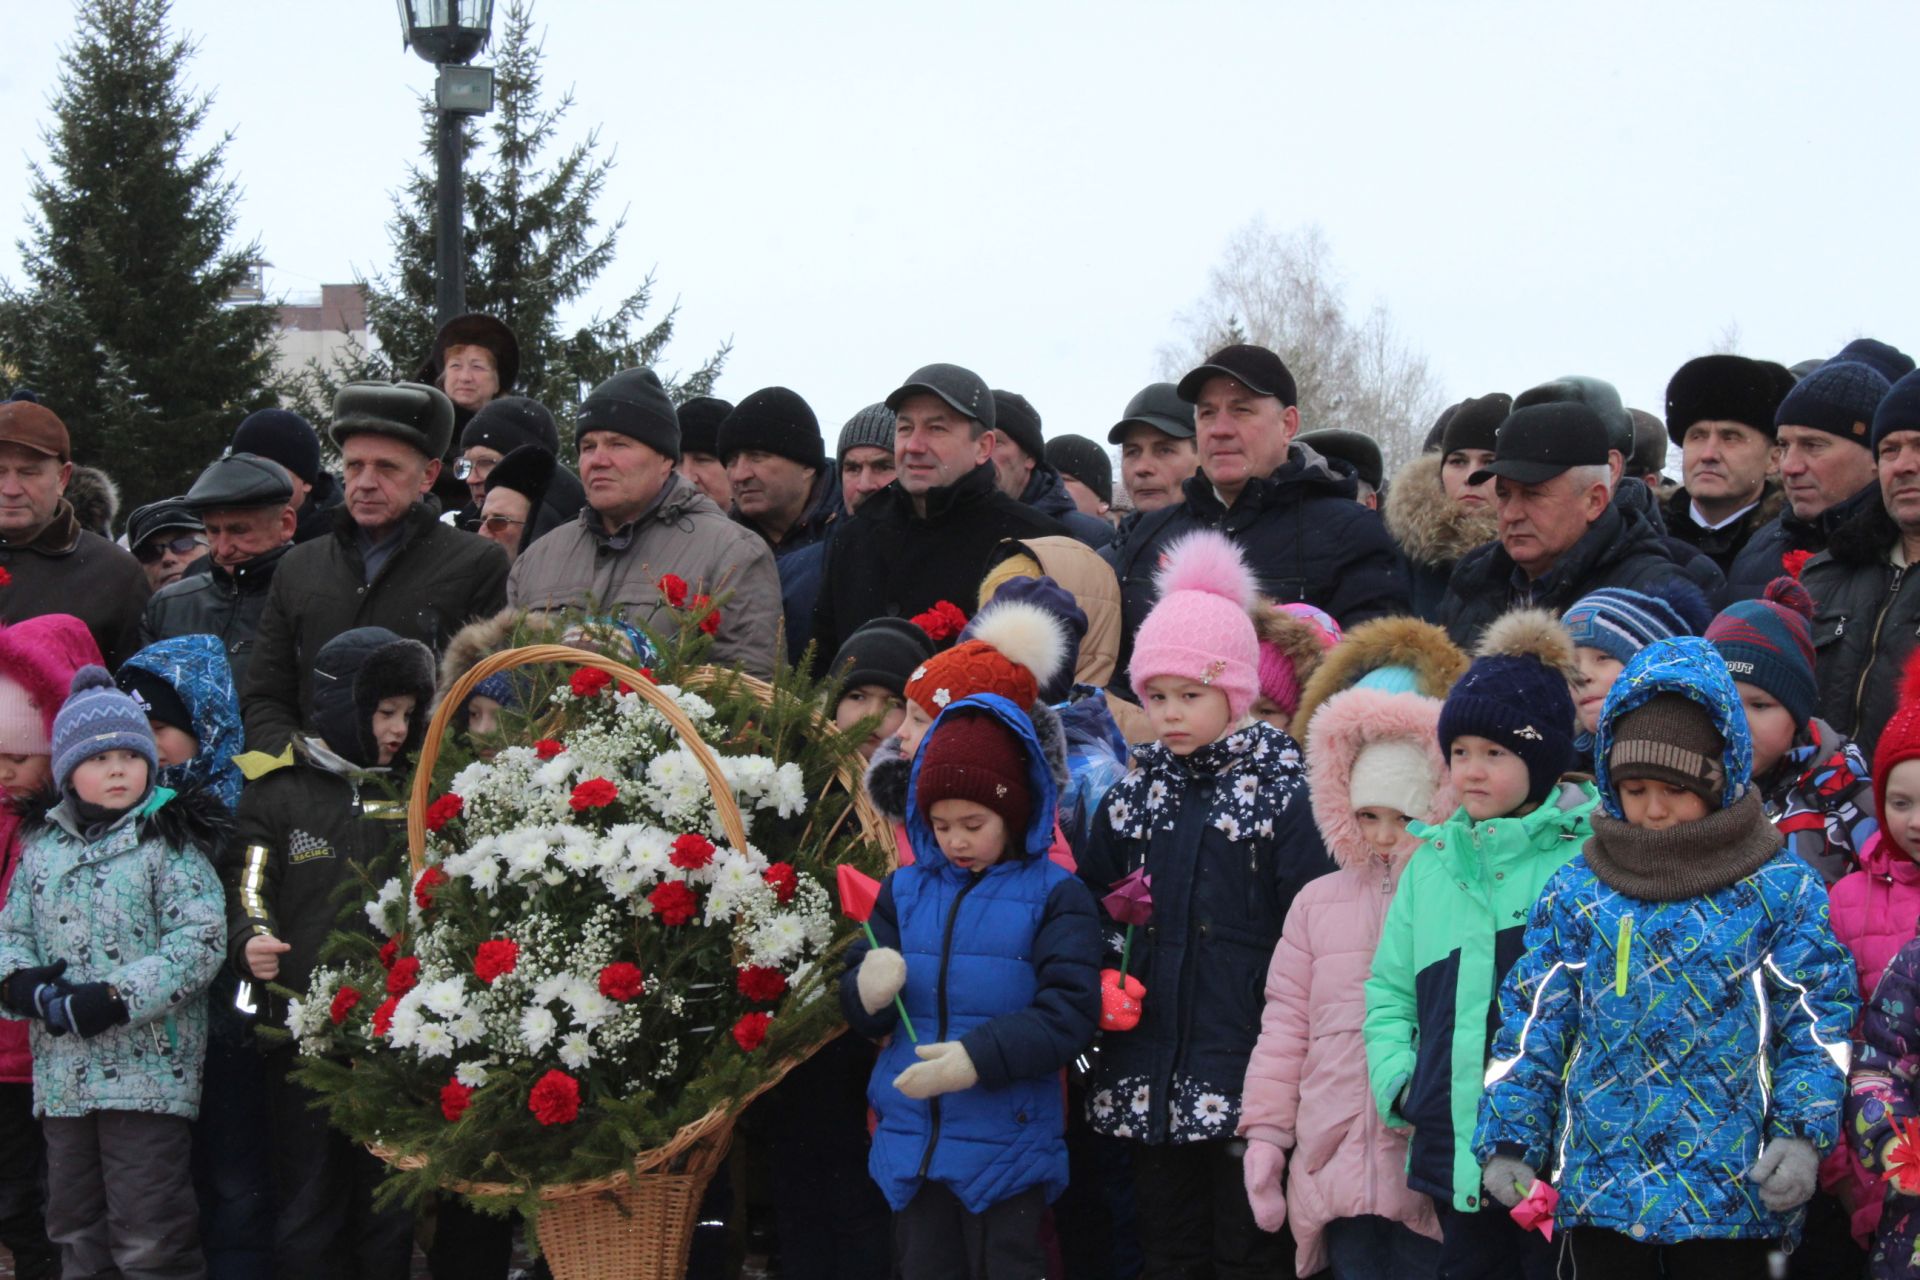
(1549, 962)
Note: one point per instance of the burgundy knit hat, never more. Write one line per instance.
(972, 755)
(1900, 740)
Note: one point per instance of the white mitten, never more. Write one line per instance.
(882, 973)
(943, 1068)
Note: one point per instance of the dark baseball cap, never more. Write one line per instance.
(963, 389)
(238, 482)
(1596, 394)
(158, 517)
(1158, 405)
(1541, 441)
(1255, 368)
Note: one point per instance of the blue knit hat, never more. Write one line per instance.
(1769, 643)
(1620, 623)
(1839, 398)
(95, 718)
(1899, 410)
(1516, 694)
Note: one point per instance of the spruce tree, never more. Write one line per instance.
(533, 247)
(121, 324)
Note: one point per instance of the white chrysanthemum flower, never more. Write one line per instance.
(575, 1052)
(557, 772)
(789, 790)
(434, 1041)
(621, 882)
(537, 1027)
(473, 779)
(471, 1074)
(590, 1008)
(466, 1027)
(447, 997)
(407, 1021)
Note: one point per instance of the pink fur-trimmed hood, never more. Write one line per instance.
(1345, 725)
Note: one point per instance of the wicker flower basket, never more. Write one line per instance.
(638, 1223)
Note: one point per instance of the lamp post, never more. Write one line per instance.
(448, 33)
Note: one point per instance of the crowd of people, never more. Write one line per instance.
(1498, 868)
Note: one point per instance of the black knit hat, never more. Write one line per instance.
(1255, 368)
(1898, 411)
(1079, 458)
(1015, 418)
(410, 412)
(1725, 388)
(1893, 363)
(1355, 448)
(871, 428)
(1474, 422)
(282, 435)
(508, 422)
(528, 470)
(777, 421)
(1839, 397)
(885, 651)
(160, 700)
(700, 420)
(632, 403)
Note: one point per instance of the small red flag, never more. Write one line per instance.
(858, 892)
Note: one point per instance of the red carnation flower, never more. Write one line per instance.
(759, 983)
(423, 888)
(389, 951)
(621, 981)
(455, 1098)
(751, 1031)
(674, 588)
(547, 748)
(444, 810)
(383, 1016)
(6, 579)
(588, 681)
(404, 976)
(942, 622)
(594, 793)
(648, 673)
(691, 852)
(673, 902)
(1794, 561)
(783, 880)
(555, 1098)
(494, 958)
(709, 620)
(343, 1001)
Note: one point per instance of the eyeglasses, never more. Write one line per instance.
(468, 469)
(152, 550)
(500, 524)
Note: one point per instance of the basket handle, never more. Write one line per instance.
(534, 655)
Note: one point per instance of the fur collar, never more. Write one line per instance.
(1431, 530)
(193, 819)
(1865, 536)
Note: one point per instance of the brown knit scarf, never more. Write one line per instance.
(1685, 861)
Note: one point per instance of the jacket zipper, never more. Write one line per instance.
(946, 953)
(1873, 641)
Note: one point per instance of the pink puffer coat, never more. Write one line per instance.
(40, 654)
(1306, 1088)
(1874, 911)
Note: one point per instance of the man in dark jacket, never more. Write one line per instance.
(389, 561)
(1720, 411)
(1561, 532)
(1295, 517)
(52, 564)
(1021, 469)
(285, 437)
(1866, 594)
(245, 502)
(785, 490)
(1824, 427)
(929, 535)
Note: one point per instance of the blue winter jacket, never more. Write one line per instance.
(196, 667)
(1648, 1050)
(1006, 961)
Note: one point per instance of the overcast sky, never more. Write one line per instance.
(1036, 189)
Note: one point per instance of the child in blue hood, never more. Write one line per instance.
(995, 953)
(1673, 1048)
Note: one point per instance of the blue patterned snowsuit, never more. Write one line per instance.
(1649, 1049)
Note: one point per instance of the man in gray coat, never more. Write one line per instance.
(643, 521)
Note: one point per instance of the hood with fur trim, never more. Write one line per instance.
(1419, 646)
(485, 637)
(1432, 530)
(41, 655)
(1349, 722)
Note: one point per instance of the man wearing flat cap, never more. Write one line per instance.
(1294, 516)
(388, 561)
(245, 506)
(1562, 534)
(53, 565)
(644, 520)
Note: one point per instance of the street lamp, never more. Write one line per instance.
(448, 33)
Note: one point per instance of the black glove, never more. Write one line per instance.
(87, 1009)
(18, 990)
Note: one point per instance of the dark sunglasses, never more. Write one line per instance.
(150, 551)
